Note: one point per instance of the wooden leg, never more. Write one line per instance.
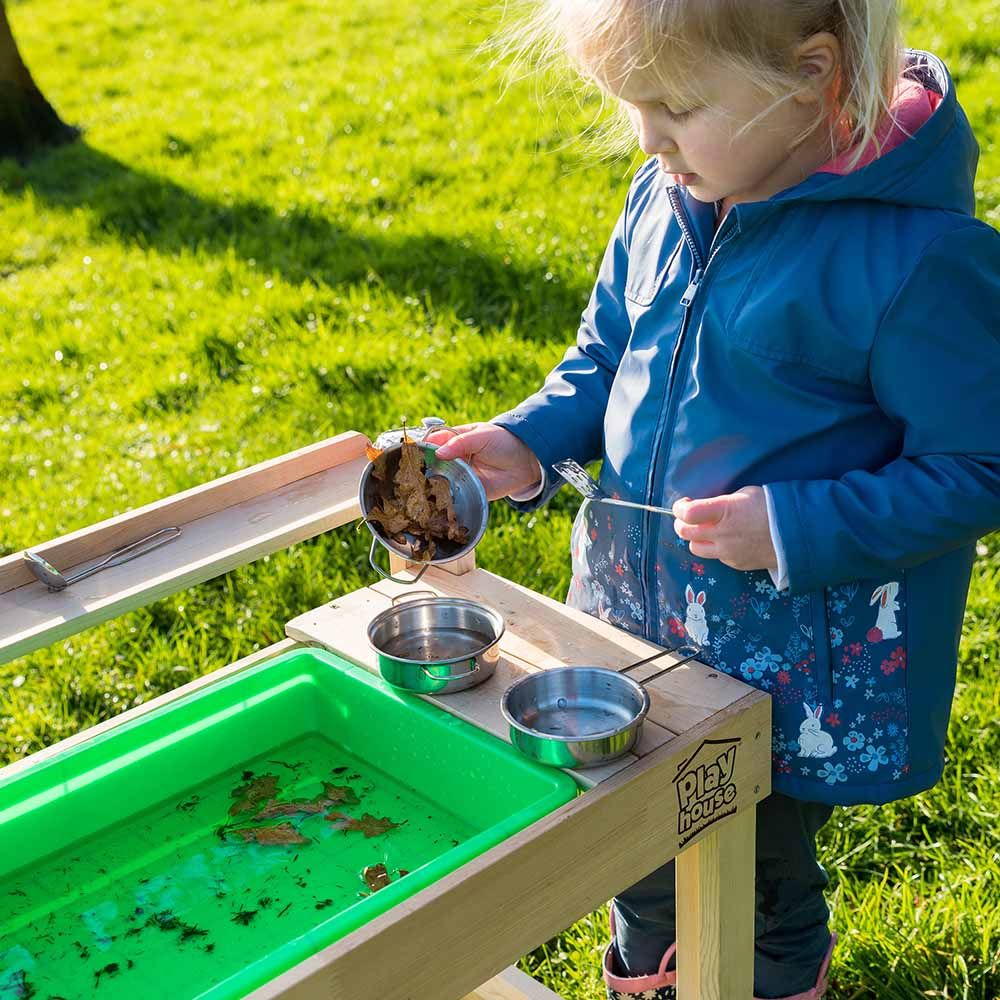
(513, 984)
(715, 913)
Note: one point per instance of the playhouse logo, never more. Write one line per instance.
(706, 787)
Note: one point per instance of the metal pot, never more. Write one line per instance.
(467, 493)
(436, 645)
(580, 716)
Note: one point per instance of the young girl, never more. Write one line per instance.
(796, 323)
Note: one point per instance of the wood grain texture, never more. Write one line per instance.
(512, 984)
(226, 523)
(715, 913)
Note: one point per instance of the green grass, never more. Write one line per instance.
(291, 218)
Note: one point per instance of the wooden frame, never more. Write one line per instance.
(225, 523)
(689, 791)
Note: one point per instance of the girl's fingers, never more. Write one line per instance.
(709, 510)
(439, 437)
(696, 532)
(464, 444)
(704, 550)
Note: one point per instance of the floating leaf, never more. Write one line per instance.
(283, 833)
(334, 794)
(330, 796)
(376, 877)
(370, 826)
(291, 809)
(250, 795)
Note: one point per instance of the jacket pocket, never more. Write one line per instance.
(647, 273)
(868, 649)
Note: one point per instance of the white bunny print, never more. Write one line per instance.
(695, 624)
(885, 624)
(813, 741)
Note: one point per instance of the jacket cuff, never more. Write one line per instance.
(535, 491)
(795, 554)
(779, 576)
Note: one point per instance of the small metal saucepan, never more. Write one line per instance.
(581, 716)
(436, 645)
(468, 495)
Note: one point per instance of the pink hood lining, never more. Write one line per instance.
(912, 105)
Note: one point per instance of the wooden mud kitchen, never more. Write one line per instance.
(129, 868)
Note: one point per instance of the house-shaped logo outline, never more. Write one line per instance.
(688, 764)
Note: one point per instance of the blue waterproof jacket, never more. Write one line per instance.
(839, 344)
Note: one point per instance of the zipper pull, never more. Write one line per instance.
(692, 290)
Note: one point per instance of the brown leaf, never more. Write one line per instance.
(376, 877)
(291, 809)
(372, 452)
(330, 796)
(250, 795)
(417, 505)
(283, 833)
(335, 794)
(370, 826)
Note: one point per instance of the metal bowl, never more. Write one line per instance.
(575, 716)
(471, 507)
(436, 645)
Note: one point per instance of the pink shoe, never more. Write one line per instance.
(819, 990)
(661, 985)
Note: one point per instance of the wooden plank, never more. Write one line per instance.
(715, 913)
(541, 632)
(238, 666)
(225, 524)
(342, 627)
(467, 926)
(548, 633)
(512, 984)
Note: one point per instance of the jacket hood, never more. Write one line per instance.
(934, 168)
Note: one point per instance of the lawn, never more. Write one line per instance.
(291, 218)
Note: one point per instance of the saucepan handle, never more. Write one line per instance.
(412, 593)
(388, 576)
(450, 677)
(689, 652)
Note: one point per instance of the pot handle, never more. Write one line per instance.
(689, 650)
(388, 576)
(450, 677)
(412, 593)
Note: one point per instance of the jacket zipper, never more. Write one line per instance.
(687, 300)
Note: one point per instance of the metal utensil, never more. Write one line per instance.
(468, 495)
(581, 716)
(436, 645)
(54, 580)
(585, 484)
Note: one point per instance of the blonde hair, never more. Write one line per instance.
(754, 37)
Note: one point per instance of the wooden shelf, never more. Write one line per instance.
(225, 523)
(540, 633)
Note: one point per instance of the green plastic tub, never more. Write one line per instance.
(124, 871)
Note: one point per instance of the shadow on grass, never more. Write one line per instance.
(143, 209)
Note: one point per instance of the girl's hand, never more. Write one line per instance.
(503, 462)
(732, 528)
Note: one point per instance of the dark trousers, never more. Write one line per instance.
(790, 924)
